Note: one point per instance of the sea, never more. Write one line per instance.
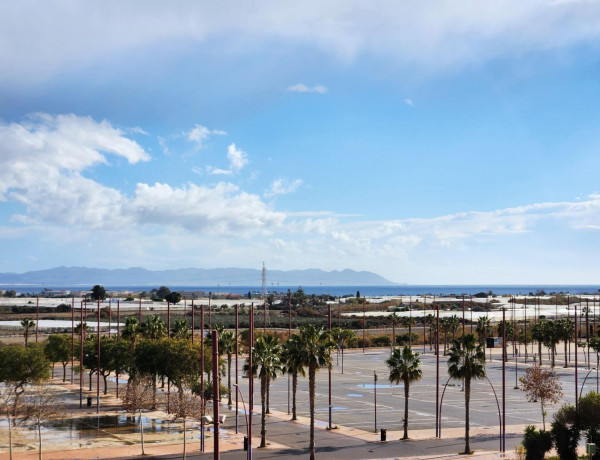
(341, 291)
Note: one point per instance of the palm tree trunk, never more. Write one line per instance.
(268, 394)
(566, 362)
(263, 416)
(91, 372)
(311, 396)
(105, 386)
(406, 383)
(540, 350)
(294, 388)
(64, 372)
(467, 402)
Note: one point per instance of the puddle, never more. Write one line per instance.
(354, 395)
(379, 385)
(88, 427)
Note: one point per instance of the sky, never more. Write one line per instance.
(434, 142)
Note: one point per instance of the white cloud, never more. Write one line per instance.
(302, 88)
(408, 101)
(38, 152)
(222, 209)
(237, 161)
(38, 38)
(199, 134)
(279, 188)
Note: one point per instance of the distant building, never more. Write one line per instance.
(56, 293)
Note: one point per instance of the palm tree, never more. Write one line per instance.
(340, 337)
(266, 355)
(551, 338)
(538, 333)
(131, 331)
(291, 357)
(405, 366)
(154, 328)
(445, 327)
(316, 345)
(466, 362)
(566, 331)
(180, 329)
(484, 325)
(227, 342)
(27, 324)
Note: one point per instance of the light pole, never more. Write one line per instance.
(375, 397)
(243, 403)
(587, 375)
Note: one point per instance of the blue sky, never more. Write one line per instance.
(432, 143)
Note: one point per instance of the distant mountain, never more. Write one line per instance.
(136, 276)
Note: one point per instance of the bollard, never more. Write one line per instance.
(245, 443)
(384, 434)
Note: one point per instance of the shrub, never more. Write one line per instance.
(536, 443)
(565, 432)
(381, 341)
(402, 339)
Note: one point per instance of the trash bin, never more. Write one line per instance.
(89, 401)
(384, 434)
(245, 443)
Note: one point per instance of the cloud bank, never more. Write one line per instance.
(39, 40)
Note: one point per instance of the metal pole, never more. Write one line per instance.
(587, 330)
(576, 386)
(424, 325)
(364, 324)
(525, 310)
(289, 335)
(215, 370)
(98, 361)
(81, 356)
(37, 317)
(118, 339)
(329, 367)
(109, 315)
(471, 304)
(250, 381)
(209, 312)
(202, 376)
(72, 338)
(437, 372)
(193, 315)
(463, 308)
(140, 311)
(169, 336)
(503, 380)
(236, 363)
(375, 397)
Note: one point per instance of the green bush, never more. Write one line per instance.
(565, 432)
(403, 339)
(381, 341)
(536, 443)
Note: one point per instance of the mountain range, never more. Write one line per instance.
(137, 276)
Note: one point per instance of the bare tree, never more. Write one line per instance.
(139, 395)
(7, 407)
(543, 385)
(183, 406)
(40, 406)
